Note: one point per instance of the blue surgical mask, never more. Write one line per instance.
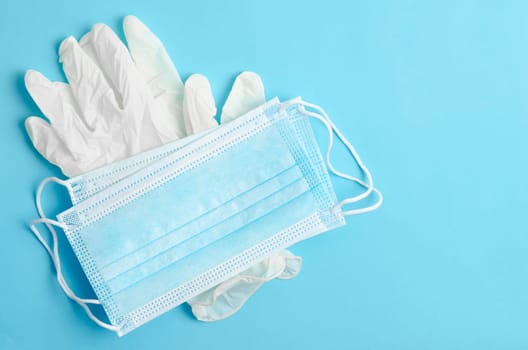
(184, 218)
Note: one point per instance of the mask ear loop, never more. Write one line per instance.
(368, 184)
(55, 257)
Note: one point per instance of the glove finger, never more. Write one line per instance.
(43, 137)
(113, 58)
(292, 265)
(48, 143)
(224, 300)
(57, 103)
(90, 88)
(150, 57)
(199, 107)
(157, 69)
(53, 98)
(228, 297)
(246, 94)
(54, 148)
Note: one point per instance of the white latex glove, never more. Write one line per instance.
(228, 297)
(120, 102)
(106, 113)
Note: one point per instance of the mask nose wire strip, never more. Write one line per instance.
(55, 257)
(368, 185)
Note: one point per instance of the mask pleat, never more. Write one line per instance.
(202, 260)
(202, 225)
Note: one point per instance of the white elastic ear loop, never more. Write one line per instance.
(49, 224)
(55, 257)
(41, 188)
(368, 185)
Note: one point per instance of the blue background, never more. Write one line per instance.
(433, 95)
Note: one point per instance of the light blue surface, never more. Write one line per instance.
(434, 96)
